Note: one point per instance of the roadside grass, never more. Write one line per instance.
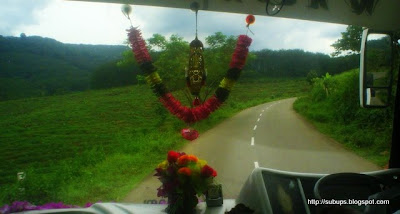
(97, 145)
(367, 132)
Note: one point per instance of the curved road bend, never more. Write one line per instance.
(270, 135)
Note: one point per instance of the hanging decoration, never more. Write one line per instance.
(189, 115)
(250, 19)
(189, 134)
(196, 74)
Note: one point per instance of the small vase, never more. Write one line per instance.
(183, 203)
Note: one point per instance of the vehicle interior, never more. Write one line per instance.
(276, 191)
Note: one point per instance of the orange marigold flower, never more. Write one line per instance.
(183, 160)
(185, 171)
(193, 158)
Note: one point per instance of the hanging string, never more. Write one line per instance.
(248, 29)
(196, 22)
(195, 8)
(126, 10)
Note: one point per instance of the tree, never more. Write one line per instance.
(22, 36)
(157, 41)
(218, 55)
(114, 74)
(172, 60)
(350, 41)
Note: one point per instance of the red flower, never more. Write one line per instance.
(207, 171)
(172, 156)
(185, 171)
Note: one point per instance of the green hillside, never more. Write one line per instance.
(35, 66)
(97, 145)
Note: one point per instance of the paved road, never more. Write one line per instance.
(270, 135)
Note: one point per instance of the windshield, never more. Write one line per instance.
(84, 118)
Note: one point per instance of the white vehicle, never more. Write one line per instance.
(307, 190)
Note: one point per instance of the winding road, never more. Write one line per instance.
(270, 135)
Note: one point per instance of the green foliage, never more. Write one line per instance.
(157, 41)
(379, 55)
(311, 76)
(298, 63)
(333, 106)
(35, 66)
(218, 55)
(115, 74)
(96, 145)
(350, 41)
(172, 62)
(140, 79)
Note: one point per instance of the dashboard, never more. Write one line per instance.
(270, 191)
(274, 191)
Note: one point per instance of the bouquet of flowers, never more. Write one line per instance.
(183, 177)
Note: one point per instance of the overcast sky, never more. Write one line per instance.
(100, 23)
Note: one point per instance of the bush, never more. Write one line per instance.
(311, 76)
(333, 106)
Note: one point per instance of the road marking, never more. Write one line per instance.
(260, 115)
(262, 111)
(258, 120)
(252, 141)
(256, 164)
(255, 127)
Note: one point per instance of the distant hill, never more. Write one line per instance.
(298, 63)
(37, 66)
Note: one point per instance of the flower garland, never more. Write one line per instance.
(200, 112)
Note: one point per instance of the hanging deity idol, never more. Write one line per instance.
(196, 74)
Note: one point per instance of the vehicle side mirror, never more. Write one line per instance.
(376, 69)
